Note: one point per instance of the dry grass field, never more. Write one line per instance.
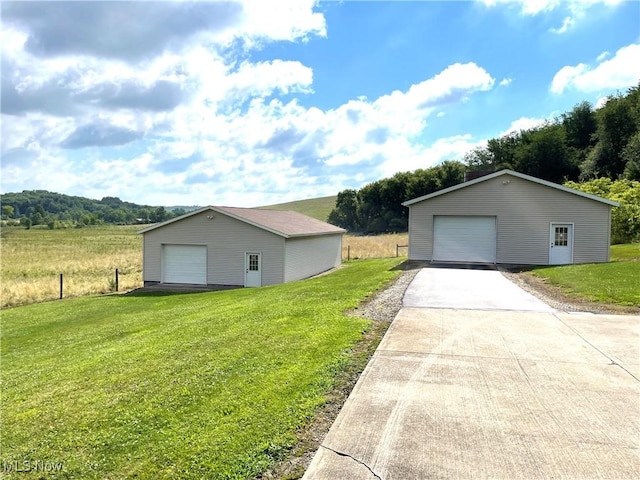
(374, 246)
(32, 260)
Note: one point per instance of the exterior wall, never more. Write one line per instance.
(524, 212)
(308, 256)
(227, 240)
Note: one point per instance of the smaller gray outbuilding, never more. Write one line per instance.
(511, 218)
(247, 247)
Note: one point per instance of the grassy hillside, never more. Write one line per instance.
(208, 385)
(319, 208)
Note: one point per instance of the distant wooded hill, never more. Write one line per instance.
(56, 210)
(41, 207)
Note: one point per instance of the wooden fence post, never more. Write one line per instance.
(61, 285)
(348, 252)
(116, 279)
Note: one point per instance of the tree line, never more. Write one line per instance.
(579, 146)
(40, 207)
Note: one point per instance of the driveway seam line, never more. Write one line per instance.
(342, 454)
(613, 362)
(388, 353)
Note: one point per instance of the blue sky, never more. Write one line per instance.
(251, 103)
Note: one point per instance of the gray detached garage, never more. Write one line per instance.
(239, 246)
(511, 218)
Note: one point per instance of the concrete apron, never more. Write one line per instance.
(459, 394)
(469, 289)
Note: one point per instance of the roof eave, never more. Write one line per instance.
(316, 234)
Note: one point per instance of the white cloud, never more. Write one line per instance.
(535, 7)
(567, 24)
(505, 81)
(576, 9)
(523, 123)
(620, 71)
(282, 20)
(197, 119)
(527, 7)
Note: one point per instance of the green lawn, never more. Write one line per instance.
(628, 252)
(208, 385)
(617, 282)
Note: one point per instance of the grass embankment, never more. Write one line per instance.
(208, 385)
(32, 261)
(617, 282)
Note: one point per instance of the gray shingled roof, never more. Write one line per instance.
(285, 223)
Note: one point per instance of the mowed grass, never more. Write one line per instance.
(617, 282)
(32, 261)
(208, 385)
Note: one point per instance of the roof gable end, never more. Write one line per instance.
(514, 174)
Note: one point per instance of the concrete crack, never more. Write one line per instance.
(613, 362)
(342, 454)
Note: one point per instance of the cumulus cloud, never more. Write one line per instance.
(131, 32)
(523, 123)
(180, 110)
(620, 71)
(99, 134)
(263, 78)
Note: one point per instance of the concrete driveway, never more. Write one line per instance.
(491, 391)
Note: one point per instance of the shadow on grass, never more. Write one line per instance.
(162, 290)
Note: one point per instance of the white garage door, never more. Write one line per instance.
(464, 239)
(184, 264)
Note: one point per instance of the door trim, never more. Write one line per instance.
(247, 266)
(570, 242)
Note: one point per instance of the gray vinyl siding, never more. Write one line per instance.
(227, 240)
(308, 256)
(524, 211)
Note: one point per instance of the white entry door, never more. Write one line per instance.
(561, 249)
(253, 270)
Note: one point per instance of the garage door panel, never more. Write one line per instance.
(184, 264)
(464, 239)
